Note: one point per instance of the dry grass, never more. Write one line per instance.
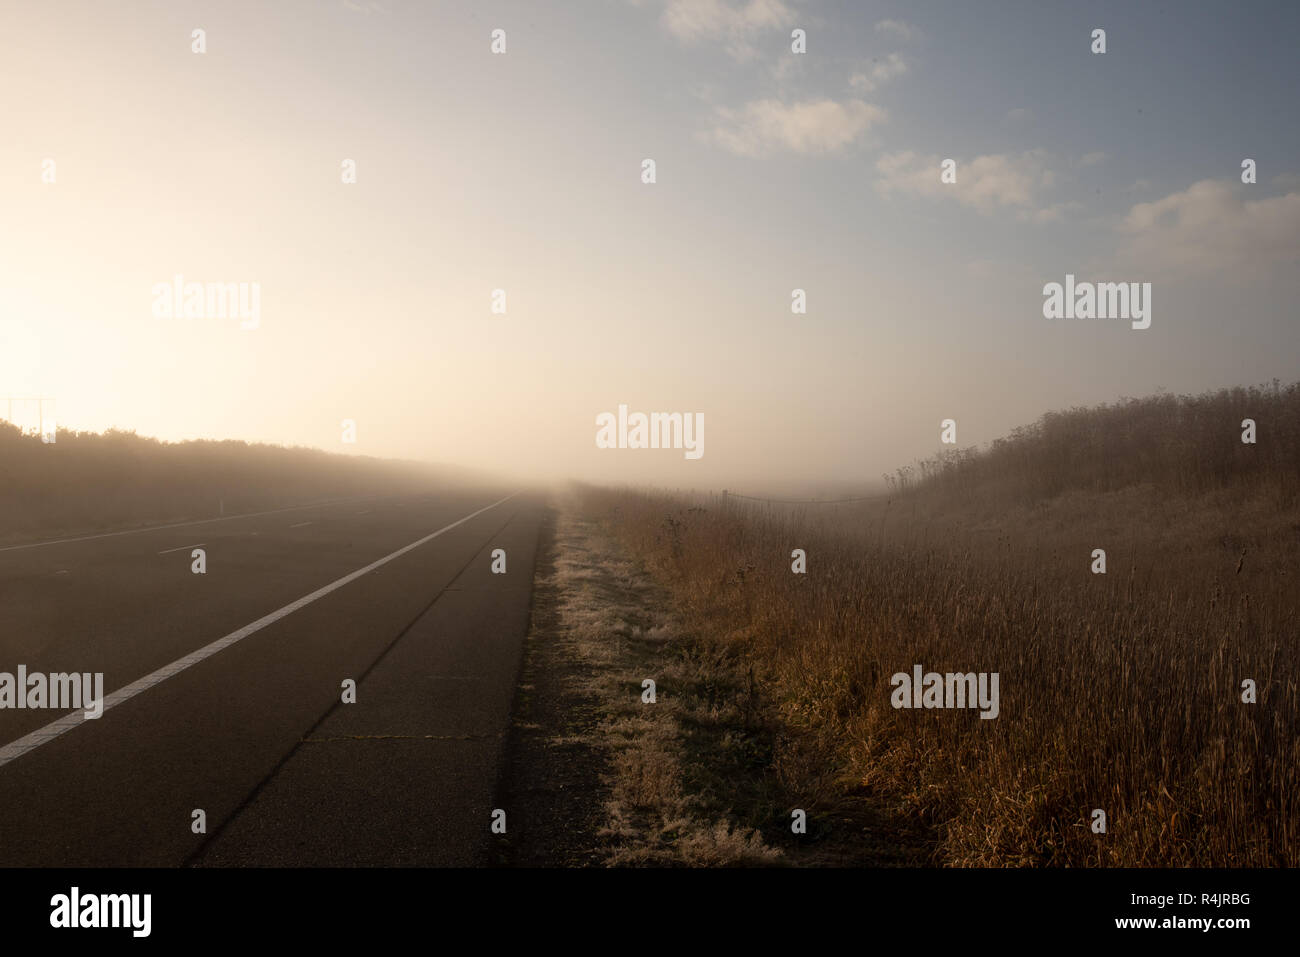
(1119, 691)
(663, 805)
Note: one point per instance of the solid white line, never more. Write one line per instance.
(300, 525)
(155, 528)
(180, 548)
(68, 722)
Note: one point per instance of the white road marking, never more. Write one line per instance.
(69, 721)
(181, 548)
(300, 525)
(366, 512)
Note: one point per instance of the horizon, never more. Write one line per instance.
(871, 487)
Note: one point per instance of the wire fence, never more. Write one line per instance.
(726, 493)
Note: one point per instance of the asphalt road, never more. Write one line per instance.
(252, 729)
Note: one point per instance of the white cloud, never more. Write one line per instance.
(734, 24)
(1093, 158)
(812, 126)
(1055, 213)
(879, 71)
(898, 28)
(1214, 227)
(983, 183)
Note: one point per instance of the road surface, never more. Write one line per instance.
(224, 689)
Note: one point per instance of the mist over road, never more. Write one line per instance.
(252, 730)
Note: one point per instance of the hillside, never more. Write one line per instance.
(1185, 444)
(86, 481)
(1160, 687)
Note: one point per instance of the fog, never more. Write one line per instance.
(451, 254)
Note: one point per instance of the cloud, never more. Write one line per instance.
(1214, 227)
(879, 71)
(811, 126)
(898, 28)
(983, 183)
(734, 24)
(1055, 213)
(1093, 158)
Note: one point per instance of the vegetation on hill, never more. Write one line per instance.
(1123, 691)
(1183, 444)
(86, 481)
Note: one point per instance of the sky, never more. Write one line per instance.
(128, 159)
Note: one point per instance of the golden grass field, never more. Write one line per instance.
(1119, 691)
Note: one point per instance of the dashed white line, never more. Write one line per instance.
(181, 548)
(155, 528)
(300, 525)
(55, 728)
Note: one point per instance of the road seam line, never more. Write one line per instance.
(215, 835)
